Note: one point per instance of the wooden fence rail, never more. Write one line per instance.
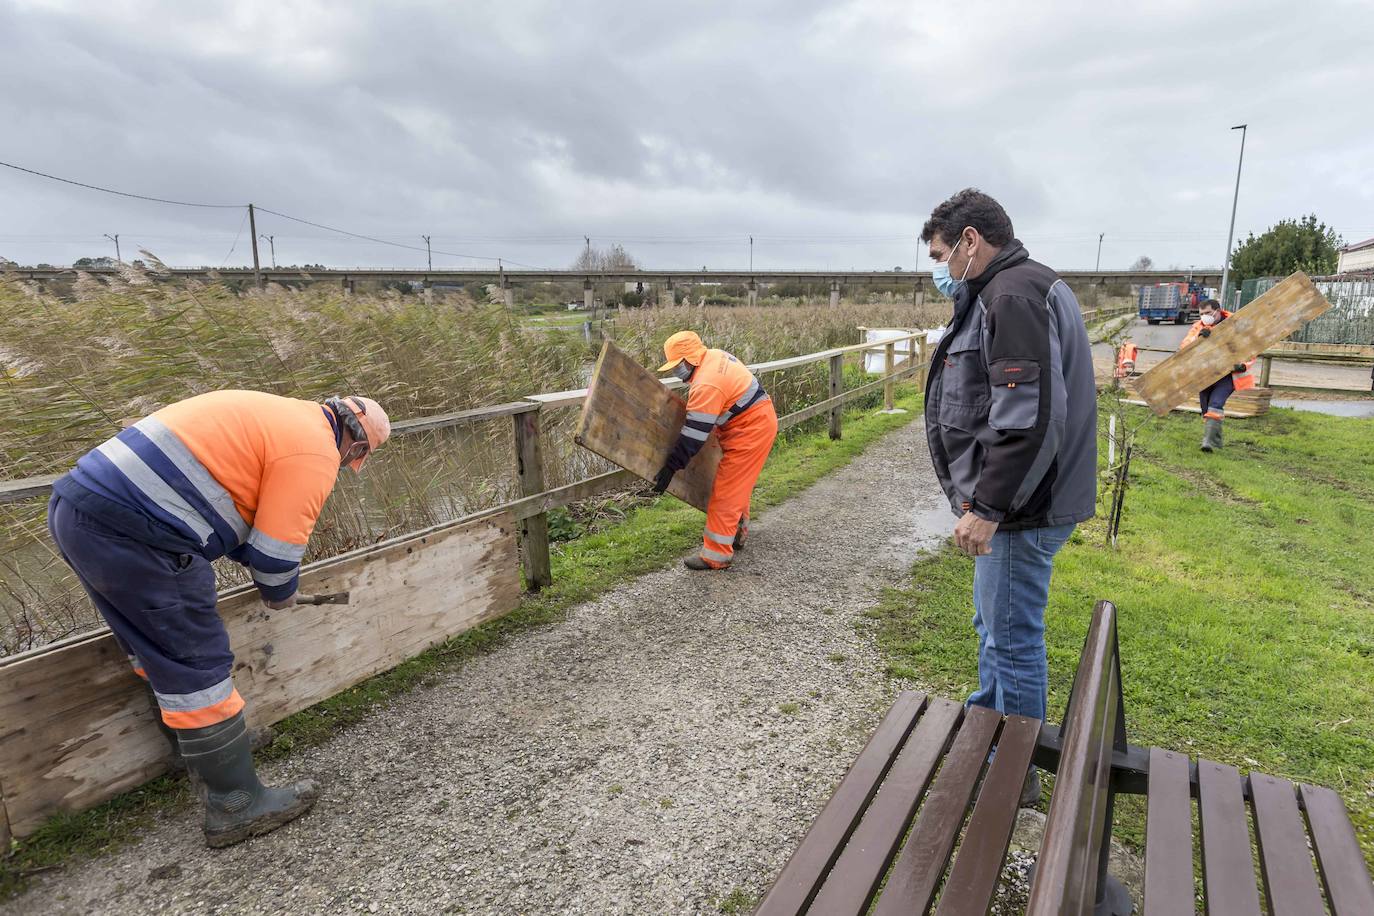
(77, 728)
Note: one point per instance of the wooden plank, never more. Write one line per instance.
(75, 724)
(630, 418)
(1339, 860)
(911, 885)
(1273, 316)
(12, 491)
(1067, 871)
(534, 529)
(1168, 836)
(1228, 871)
(1290, 884)
(562, 496)
(860, 869)
(801, 877)
(973, 879)
(460, 417)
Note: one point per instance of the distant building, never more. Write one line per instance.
(1359, 256)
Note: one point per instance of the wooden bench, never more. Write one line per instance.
(923, 820)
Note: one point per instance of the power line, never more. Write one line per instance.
(82, 184)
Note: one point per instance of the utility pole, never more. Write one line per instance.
(751, 254)
(429, 255)
(1098, 265)
(115, 238)
(271, 243)
(253, 230)
(1230, 233)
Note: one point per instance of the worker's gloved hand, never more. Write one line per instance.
(665, 477)
(1205, 332)
(288, 601)
(1238, 367)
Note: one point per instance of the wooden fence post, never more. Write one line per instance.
(923, 354)
(836, 387)
(534, 531)
(889, 367)
(1265, 363)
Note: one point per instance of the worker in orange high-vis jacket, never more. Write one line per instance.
(1213, 398)
(724, 397)
(238, 474)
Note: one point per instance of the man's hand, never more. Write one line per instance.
(665, 477)
(973, 535)
(1205, 332)
(288, 601)
(1238, 367)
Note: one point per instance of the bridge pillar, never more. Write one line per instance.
(834, 293)
(508, 294)
(589, 296)
(347, 285)
(753, 293)
(918, 294)
(666, 298)
(429, 292)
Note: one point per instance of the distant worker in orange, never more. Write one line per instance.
(1213, 398)
(723, 396)
(238, 474)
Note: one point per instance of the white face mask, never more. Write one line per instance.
(1209, 319)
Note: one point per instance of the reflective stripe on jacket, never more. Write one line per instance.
(720, 390)
(242, 474)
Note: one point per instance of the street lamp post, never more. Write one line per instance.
(115, 238)
(1098, 265)
(1230, 233)
(429, 255)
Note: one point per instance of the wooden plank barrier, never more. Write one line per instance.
(77, 727)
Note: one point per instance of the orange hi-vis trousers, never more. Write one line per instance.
(746, 441)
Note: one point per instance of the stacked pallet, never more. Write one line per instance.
(1250, 403)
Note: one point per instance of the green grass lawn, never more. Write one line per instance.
(1243, 581)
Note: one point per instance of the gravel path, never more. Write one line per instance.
(662, 750)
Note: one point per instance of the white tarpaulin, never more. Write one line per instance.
(875, 361)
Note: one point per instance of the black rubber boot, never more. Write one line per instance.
(237, 804)
(167, 731)
(1030, 790)
(1211, 439)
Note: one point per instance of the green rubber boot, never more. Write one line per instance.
(1211, 439)
(237, 804)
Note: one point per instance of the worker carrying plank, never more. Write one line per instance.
(238, 474)
(1213, 397)
(723, 396)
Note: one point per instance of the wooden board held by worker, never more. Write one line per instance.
(1273, 316)
(633, 419)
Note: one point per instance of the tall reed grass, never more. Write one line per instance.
(75, 369)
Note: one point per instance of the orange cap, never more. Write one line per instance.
(370, 416)
(683, 345)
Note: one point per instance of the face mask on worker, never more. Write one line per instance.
(940, 274)
(1209, 319)
(684, 370)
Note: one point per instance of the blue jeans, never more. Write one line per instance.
(1011, 587)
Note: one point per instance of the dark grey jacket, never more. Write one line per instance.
(1011, 405)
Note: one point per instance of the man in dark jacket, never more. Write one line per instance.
(1011, 417)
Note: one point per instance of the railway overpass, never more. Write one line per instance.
(836, 280)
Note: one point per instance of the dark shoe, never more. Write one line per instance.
(698, 564)
(740, 537)
(237, 804)
(1030, 790)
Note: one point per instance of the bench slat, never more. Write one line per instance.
(911, 886)
(973, 880)
(1338, 853)
(1289, 880)
(1228, 871)
(1168, 836)
(804, 872)
(855, 878)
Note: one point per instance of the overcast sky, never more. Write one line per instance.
(826, 130)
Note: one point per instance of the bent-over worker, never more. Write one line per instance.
(723, 396)
(242, 474)
(1212, 399)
